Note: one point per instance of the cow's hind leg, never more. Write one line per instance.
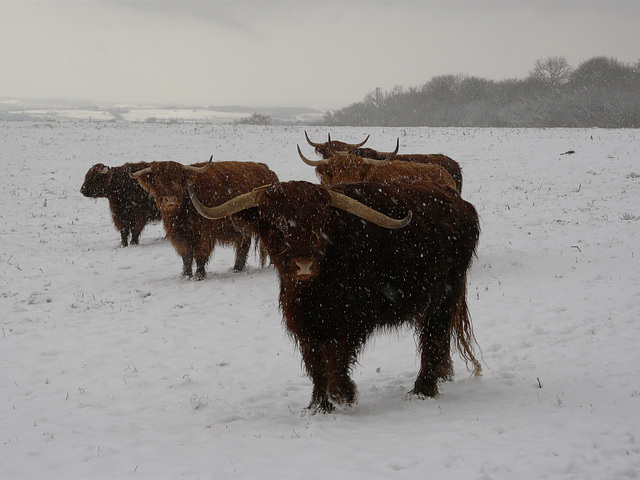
(435, 351)
(242, 252)
(135, 237)
(136, 230)
(201, 272)
(124, 236)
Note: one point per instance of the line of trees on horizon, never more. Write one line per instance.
(600, 92)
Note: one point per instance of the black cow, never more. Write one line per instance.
(131, 207)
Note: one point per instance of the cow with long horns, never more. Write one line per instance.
(346, 167)
(331, 147)
(328, 148)
(131, 207)
(361, 257)
(193, 236)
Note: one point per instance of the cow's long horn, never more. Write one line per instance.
(348, 204)
(139, 173)
(236, 204)
(313, 144)
(332, 150)
(373, 161)
(191, 168)
(390, 156)
(358, 145)
(312, 163)
(352, 146)
(395, 152)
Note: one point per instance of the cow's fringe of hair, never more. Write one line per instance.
(463, 336)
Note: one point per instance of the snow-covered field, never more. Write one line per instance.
(112, 366)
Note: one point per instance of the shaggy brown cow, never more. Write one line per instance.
(331, 147)
(131, 207)
(193, 236)
(343, 277)
(346, 168)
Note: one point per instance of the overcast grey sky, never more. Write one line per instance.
(324, 54)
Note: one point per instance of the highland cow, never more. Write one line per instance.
(131, 207)
(193, 236)
(331, 147)
(346, 168)
(363, 257)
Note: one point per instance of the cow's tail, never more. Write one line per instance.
(260, 250)
(264, 256)
(462, 332)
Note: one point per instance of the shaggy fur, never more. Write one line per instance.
(368, 278)
(352, 168)
(131, 207)
(450, 165)
(195, 237)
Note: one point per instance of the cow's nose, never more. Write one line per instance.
(303, 268)
(170, 201)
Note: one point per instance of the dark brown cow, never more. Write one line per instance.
(131, 207)
(346, 168)
(348, 269)
(193, 236)
(331, 147)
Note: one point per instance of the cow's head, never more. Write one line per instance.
(292, 219)
(344, 167)
(367, 152)
(167, 182)
(330, 147)
(96, 181)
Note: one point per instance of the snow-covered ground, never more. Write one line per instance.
(112, 366)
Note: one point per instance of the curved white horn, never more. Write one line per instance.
(312, 163)
(204, 168)
(236, 204)
(313, 144)
(348, 204)
(139, 173)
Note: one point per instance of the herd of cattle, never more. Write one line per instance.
(384, 240)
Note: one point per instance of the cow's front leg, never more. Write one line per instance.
(187, 265)
(313, 357)
(340, 387)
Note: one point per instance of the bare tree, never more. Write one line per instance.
(552, 72)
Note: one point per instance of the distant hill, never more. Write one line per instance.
(48, 109)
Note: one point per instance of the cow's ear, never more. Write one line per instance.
(104, 170)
